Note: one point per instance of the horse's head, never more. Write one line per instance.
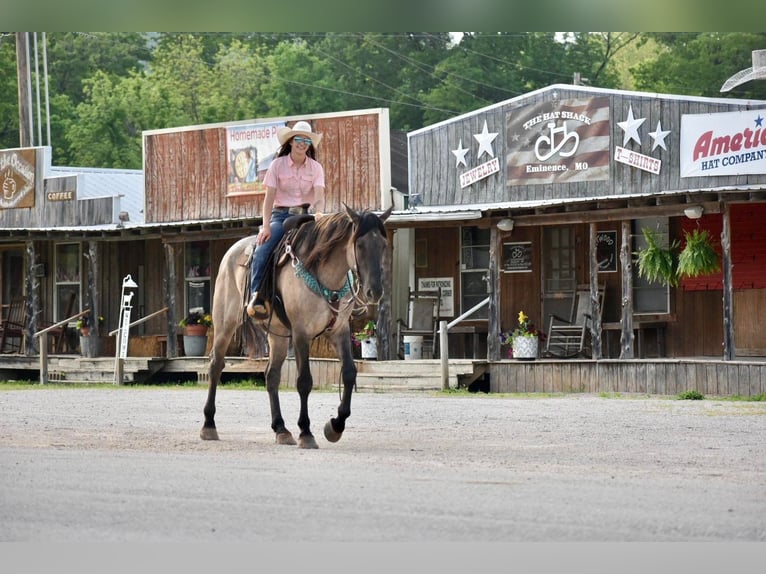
(369, 253)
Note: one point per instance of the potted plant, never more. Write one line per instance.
(195, 326)
(656, 263)
(89, 346)
(665, 265)
(83, 324)
(196, 323)
(523, 341)
(698, 256)
(367, 338)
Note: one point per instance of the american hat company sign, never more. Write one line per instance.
(17, 178)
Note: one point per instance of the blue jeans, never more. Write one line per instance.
(262, 252)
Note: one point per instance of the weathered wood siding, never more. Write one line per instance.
(433, 173)
(655, 377)
(186, 170)
(55, 201)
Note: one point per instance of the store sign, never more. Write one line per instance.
(517, 257)
(250, 150)
(731, 143)
(638, 160)
(558, 142)
(479, 172)
(17, 178)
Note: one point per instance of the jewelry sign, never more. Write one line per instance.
(558, 142)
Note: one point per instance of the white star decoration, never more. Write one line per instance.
(659, 137)
(460, 154)
(630, 126)
(485, 140)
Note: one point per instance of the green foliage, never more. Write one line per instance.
(665, 265)
(655, 262)
(698, 256)
(698, 63)
(107, 87)
(691, 396)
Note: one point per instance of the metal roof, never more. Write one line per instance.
(127, 184)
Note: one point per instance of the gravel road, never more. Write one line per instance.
(127, 464)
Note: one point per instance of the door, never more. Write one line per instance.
(559, 270)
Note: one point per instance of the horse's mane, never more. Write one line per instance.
(314, 241)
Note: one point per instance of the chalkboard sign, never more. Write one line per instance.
(517, 257)
(606, 251)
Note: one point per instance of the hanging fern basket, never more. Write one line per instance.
(656, 263)
(698, 256)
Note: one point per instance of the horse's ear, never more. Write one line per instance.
(386, 213)
(352, 214)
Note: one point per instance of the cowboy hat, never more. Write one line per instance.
(300, 128)
(757, 72)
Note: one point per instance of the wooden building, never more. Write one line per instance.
(200, 191)
(520, 202)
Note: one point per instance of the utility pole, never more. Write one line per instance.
(26, 134)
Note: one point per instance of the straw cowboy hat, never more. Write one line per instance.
(757, 72)
(299, 129)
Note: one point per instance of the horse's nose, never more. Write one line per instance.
(374, 295)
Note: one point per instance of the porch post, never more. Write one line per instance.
(626, 333)
(493, 309)
(728, 302)
(170, 300)
(595, 312)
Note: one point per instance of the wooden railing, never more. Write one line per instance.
(42, 334)
(444, 328)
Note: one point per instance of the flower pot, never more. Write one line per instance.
(370, 348)
(525, 348)
(90, 346)
(195, 345)
(195, 330)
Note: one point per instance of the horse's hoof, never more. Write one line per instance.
(208, 433)
(285, 437)
(330, 433)
(307, 441)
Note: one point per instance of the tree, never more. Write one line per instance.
(698, 64)
(9, 103)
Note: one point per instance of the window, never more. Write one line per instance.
(197, 276)
(12, 274)
(474, 270)
(68, 268)
(559, 269)
(649, 297)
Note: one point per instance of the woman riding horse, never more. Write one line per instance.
(327, 268)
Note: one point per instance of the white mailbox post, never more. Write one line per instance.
(124, 328)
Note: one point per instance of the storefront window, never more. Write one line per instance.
(649, 297)
(68, 268)
(474, 270)
(197, 269)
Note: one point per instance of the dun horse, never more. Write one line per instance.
(326, 269)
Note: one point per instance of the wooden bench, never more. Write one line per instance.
(474, 331)
(641, 324)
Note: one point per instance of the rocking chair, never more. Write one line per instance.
(568, 337)
(423, 308)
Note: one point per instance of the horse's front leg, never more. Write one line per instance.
(304, 383)
(277, 354)
(334, 428)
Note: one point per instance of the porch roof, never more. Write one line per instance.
(580, 208)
